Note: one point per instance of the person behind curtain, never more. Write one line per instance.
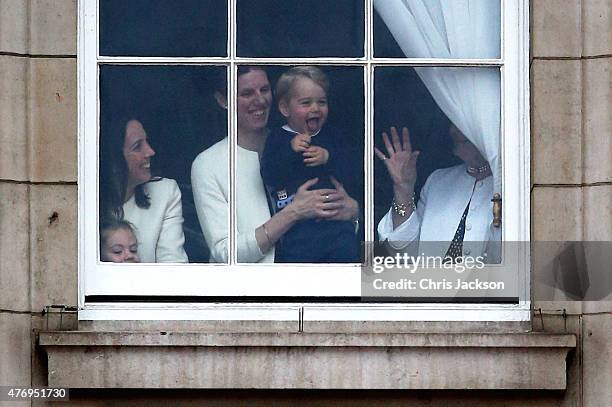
(257, 230)
(129, 192)
(454, 209)
(301, 150)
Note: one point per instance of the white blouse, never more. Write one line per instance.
(159, 228)
(444, 198)
(209, 180)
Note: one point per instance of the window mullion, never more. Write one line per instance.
(232, 130)
(368, 210)
(369, 30)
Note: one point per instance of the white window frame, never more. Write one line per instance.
(96, 278)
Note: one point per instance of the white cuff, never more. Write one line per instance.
(402, 235)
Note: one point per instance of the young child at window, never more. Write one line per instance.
(118, 242)
(299, 151)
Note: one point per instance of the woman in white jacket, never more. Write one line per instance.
(454, 211)
(129, 192)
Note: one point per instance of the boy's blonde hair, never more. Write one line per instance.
(287, 79)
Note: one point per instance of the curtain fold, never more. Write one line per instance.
(457, 29)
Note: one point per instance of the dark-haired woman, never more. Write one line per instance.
(129, 192)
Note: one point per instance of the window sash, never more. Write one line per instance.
(187, 279)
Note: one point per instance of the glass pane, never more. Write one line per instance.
(312, 129)
(178, 28)
(452, 117)
(295, 28)
(154, 121)
(437, 29)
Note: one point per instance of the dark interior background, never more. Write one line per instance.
(298, 28)
(176, 28)
(180, 114)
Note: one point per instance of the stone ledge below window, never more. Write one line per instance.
(79, 359)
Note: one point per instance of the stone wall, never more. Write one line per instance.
(38, 172)
(571, 128)
(571, 195)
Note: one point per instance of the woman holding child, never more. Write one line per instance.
(128, 191)
(257, 230)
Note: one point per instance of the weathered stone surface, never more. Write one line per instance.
(556, 219)
(14, 26)
(570, 307)
(40, 27)
(300, 360)
(53, 120)
(50, 321)
(300, 339)
(556, 213)
(14, 247)
(53, 218)
(597, 27)
(567, 272)
(598, 213)
(556, 126)
(53, 27)
(553, 320)
(599, 306)
(557, 323)
(597, 359)
(413, 326)
(556, 224)
(555, 29)
(13, 118)
(597, 119)
(598, 248)
(15, 349)
(191, 326)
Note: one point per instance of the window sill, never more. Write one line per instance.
(81, 359)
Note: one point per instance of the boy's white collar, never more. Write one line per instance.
(289, 129)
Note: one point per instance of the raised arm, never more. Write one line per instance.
(401, 167)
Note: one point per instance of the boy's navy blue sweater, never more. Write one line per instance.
(283, 171)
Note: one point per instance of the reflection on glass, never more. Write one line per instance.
(178, 28)
(287, 152)
(437, 29)
(439, 168)
(295, 28)
(153, 122)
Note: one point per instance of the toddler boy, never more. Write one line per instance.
(299, 151)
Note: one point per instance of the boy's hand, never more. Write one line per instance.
(300, 142)
(315, 155)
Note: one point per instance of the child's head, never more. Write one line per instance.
(302, 98)
(118, 242)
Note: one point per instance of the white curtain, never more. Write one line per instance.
(470, 97)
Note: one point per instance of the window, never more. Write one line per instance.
(418, 64)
